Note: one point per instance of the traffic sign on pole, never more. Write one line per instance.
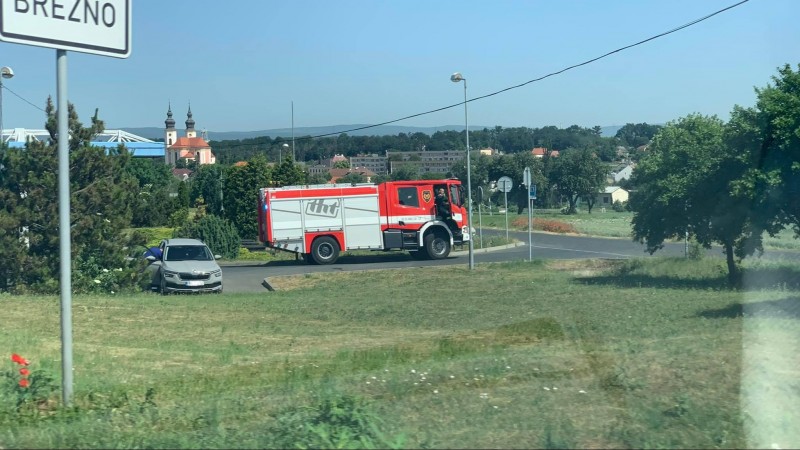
(102, 27)
(99, 27)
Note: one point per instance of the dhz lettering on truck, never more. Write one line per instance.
(319, 222)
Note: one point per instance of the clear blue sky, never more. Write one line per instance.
(241, 63)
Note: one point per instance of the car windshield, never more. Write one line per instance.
(187, 253)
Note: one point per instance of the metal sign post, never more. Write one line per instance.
(504, 184)
(531, 198)
(98, 29)
(480, 219)
(526, 180)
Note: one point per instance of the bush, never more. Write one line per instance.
(178, 217)
(619, 206)
(336, 422)
(218, 233)
(550, 225)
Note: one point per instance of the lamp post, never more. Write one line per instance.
(280, 153)
(455, 78)
(5, 72)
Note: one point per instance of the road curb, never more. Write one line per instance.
(488, 249)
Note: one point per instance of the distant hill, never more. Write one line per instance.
(334, 130)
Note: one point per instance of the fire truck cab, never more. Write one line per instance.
(321, 221)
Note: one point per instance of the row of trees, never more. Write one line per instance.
(506, 140)
(725, 183)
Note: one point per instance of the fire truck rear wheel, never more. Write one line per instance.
(324, 250)
(437, 246)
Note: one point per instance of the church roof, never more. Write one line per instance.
(190, 143)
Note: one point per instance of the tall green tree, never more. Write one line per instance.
(636, 134)
(353, 178)
(405, 172)
(241, 187)
(577, 173)
(686, 185)
(102, 194)
(288, 173)
(767, 137)
(207, 183)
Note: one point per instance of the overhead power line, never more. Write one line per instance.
(687, 25)
(23, 99)
(676, 29)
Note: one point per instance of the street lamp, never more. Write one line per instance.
(455, 78)
(5, 72)
(280, 153)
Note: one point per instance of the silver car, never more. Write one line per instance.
(186, 265)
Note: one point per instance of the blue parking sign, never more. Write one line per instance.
(532, 192)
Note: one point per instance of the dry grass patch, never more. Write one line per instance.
(583, 267)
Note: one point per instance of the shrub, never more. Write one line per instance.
(178, 217)
(336, 422)
(550, 225)
(218, 233)
(619, 206)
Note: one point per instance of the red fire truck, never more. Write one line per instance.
(321, 221)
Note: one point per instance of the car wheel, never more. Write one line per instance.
(325, 250)
(437, 246)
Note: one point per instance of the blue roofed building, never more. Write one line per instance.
(139, 146)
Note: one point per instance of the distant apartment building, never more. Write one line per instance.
(425, 162)
(375, 163)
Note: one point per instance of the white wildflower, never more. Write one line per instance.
(546, 388)
(452, 377)
(96, 281)
(435, 391)
(581, 391)
(105, 270)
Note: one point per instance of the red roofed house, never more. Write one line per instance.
(189, 147)
(540, 152)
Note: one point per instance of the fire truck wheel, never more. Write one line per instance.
(324, 250)
(437, 246)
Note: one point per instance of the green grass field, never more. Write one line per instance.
(650, 353)
(606, 224)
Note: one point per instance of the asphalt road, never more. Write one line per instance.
(246, 277)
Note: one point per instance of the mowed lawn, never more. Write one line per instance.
(608, 223)
(653, 353)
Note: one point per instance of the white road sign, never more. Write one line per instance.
(101, 27)
(504, 184)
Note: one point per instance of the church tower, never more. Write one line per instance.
(170, 134)
(190, 131)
